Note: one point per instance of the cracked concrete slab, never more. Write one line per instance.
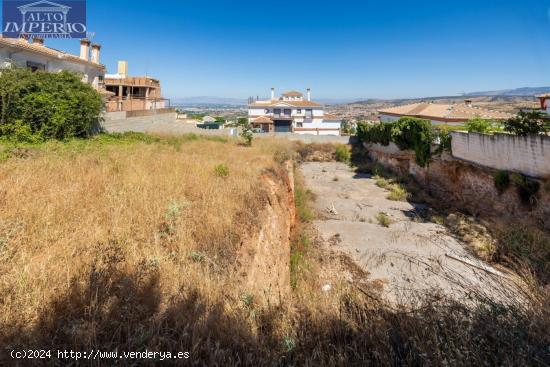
(411, 256)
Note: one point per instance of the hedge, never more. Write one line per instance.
(406, 133)
(35, 106)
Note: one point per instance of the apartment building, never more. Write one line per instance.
(133, 93)
(292, 113)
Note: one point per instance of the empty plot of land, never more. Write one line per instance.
(391, 241)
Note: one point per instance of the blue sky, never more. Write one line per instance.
(344, 49)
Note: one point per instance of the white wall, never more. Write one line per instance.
(528, 155)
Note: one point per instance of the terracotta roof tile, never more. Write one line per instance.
(292, 93)
(41, 49)
(263, 119)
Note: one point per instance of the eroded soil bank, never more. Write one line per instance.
(407, 254)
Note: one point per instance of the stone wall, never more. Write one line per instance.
(529, 155)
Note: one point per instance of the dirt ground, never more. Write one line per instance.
(411, 256)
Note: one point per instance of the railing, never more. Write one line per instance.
(133, 82)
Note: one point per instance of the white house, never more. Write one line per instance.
(292, 113)
(36, 56)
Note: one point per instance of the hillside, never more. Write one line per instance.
(525, 91)
(502, 103)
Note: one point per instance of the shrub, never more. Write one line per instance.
(383, 219)
(526, 123)
(398, 193)
(196, 256)
(527, 188)
(518, 245)
(406, 133)
(415, 134)
(39, 106)
(298, 263)
(479, 125)
(221, 170)
(445, 140)
(502, 180)
(302, 198)
(377, 134)
(246, 132)
(381, 182)
(343, 154)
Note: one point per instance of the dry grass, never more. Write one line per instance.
(130, 243)
(122, 217)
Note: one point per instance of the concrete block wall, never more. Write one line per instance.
(529, 155)
(137, 124)
(163, 124)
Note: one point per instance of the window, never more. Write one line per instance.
(299, 124)
(277, 112)
(309, 113)
(299, 111)
(266, 111)
(287, 113)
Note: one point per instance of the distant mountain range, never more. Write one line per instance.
(224, 101)
(526, 91)
(207, 100)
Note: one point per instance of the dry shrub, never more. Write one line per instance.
(316, 152)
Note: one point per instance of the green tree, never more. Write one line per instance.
(526, 123)
(38, 106)
(416, 134)
(479, 125)
(246, 133)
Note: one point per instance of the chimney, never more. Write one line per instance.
(85, 49)
(123, 68)
(468, 102)
(272, 94)
(96, 52)
(38, 41)
(309, 94)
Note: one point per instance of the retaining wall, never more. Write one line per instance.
(529, 155)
